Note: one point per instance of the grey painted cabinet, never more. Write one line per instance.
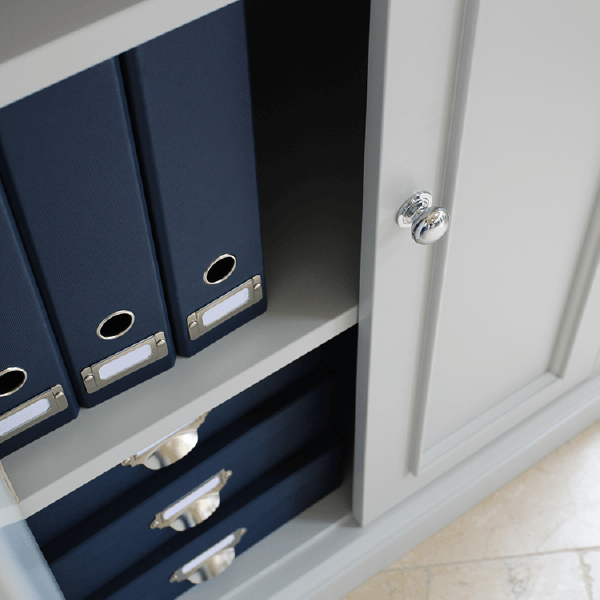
(477, 354)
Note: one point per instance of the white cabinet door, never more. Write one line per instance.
(494, 107)
(24, 573)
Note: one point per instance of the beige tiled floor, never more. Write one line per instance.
(537, 538)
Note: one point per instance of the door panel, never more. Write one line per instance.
(24, 573)
(528, 171)
(497, 115)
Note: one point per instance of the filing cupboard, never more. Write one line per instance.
(477, 355)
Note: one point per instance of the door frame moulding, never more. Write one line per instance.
(579, 292)
(492, 423)
(451, 168)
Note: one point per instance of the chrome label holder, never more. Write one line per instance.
(170, 449)
(195, 507)
(32, 412)
(225, 307)
(127, 361)
(211, 562)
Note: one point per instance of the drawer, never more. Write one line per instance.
(277, 497)
(120, 534)
(77, 506)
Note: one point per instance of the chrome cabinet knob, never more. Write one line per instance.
(429, 223)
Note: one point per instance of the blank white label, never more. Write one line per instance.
(24, 416)
(225, 307)
(122, 363)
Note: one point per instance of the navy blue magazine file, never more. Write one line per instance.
(35, 393)
(68, 163)
(189, 95)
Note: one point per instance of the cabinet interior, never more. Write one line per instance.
(308, 74)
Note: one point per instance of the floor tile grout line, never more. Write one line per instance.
(479, 560)
(586, 575)
(428, 582)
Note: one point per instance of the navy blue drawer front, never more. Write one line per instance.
(71, 510)
(189, 95)
(30, 362)
(261, 508)
(68, 163)
(119, 535)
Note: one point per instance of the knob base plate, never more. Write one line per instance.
(413, 207)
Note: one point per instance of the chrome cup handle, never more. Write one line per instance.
(211, 562)
(169, 449)
(195, 507)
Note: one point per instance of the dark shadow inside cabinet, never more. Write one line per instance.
(308, 72)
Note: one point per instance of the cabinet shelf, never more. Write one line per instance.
(310, 301)
(309, 131)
